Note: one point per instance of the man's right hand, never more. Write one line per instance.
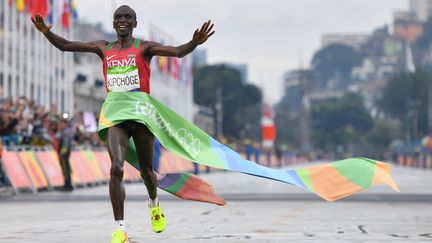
(39, 23)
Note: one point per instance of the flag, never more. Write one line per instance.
(183, 69)
(31, 7)
(65, 14)
(20, 5)
(74, 10)
(37, 7)
(42, 7)
(51, 12)
(330, 181)
(162, 64)
(175, 71)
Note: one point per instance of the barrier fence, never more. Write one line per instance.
(35, 169)
(417, 161)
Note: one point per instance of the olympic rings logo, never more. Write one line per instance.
(190, 143)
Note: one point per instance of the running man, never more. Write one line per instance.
(126, 65)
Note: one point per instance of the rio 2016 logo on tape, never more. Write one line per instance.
(186, 139)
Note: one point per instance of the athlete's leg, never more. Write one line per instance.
(144, 140)
(117, 142)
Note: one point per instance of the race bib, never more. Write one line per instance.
(123, 79)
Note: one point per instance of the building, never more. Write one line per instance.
(297, 83)
(353, 40)
(407, 26)
(89, 84)
(421, 8)
(199, 57)
(29, 65)
(172, 78)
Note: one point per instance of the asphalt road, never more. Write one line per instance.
(257, 210)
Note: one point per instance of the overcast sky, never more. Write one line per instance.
(272, 37)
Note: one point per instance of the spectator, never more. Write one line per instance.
(249, 149)
(257, 151)
(65, 138)
(278, 153)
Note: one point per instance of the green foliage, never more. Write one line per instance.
(241, 102)
(287, 123)
(340, 122)
(406, 95)
(381, 135)
(335, 60)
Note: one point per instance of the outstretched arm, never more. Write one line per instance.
(66, 45)
(199, 37)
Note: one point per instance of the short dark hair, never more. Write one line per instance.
(126, 6)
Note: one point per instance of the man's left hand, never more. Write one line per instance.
(201, 35)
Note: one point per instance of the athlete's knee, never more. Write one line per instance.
(117, 170)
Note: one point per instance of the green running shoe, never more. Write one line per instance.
(119, 237)
(158, 219)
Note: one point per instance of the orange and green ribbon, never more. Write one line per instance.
(330, 181)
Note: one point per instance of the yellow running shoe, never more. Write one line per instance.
(158, 219)
(119, 237)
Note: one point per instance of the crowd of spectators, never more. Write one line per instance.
(25, 125)
(23, 122)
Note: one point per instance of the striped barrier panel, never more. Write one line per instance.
(132, 173)
(81, 173)
(103, 159)
(170, 163)
(34, 170)
(50, 164)
(15, 171)
(89, 159)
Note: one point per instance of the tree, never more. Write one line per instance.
(287, 119)
(340, 122)
(405, 98)
(335, 61)
(241, 102)
(380, 137)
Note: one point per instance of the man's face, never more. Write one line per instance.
(124, 21)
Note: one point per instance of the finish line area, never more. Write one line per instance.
(250, 214)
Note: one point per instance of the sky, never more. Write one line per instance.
(271, 37)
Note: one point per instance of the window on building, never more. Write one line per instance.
(9, 90)
(63, 101)
(51, 95)
(80, 78)
(1, 15)
(9, 61)
(38, 96)
(17, 87)
(99, 83)
(32, 94)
